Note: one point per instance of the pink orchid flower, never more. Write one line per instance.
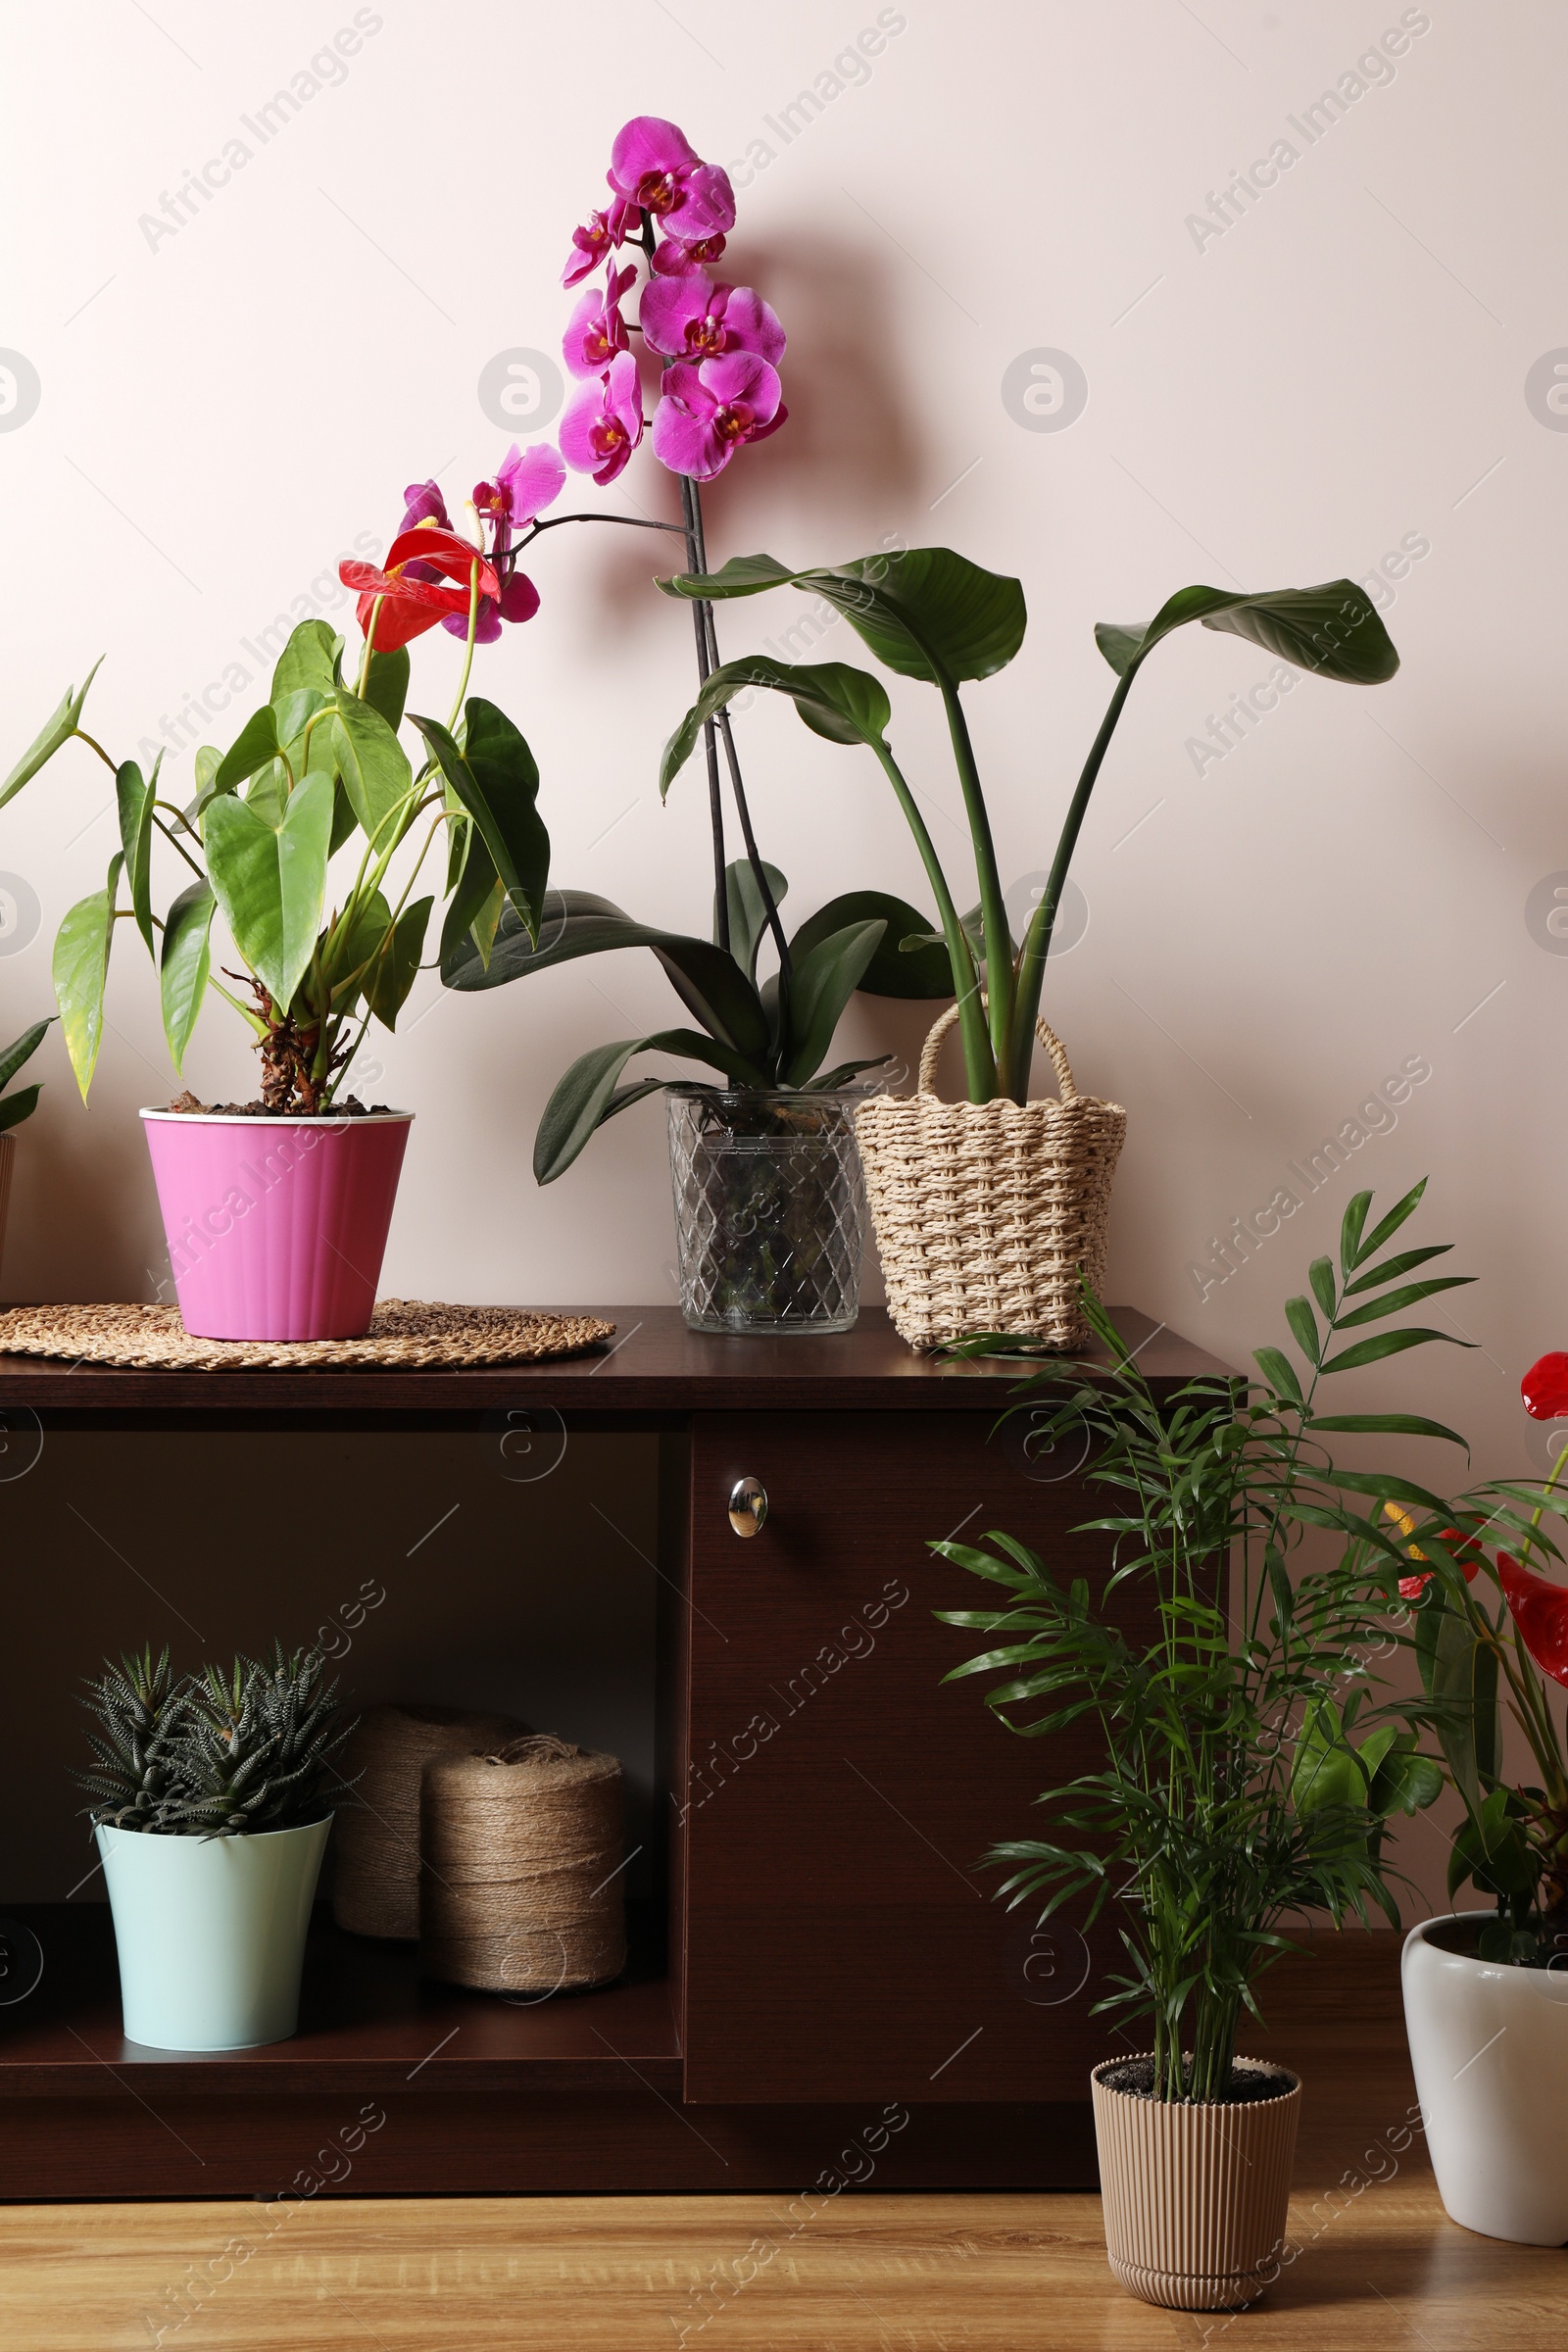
(710, 411)
(654, 164)
(597, 236)
(690, 318)
(595, 331)
(604, 422)
(674, 256)
(523, 486)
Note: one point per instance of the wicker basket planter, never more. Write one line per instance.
(1194, 2198)
(986, 1213)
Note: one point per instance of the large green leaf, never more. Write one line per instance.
(840, 703)
(495, 779)
(310, 659)
(586, 1094)
(57, 730)
(924, 971)
(748, 912)
(393, 973)
(14, 1109)
(824, 981)
(184, 965)
(23, 1050)
(271, 881)
(1333, 629)
(256, 746)
(80, 968)
(386, 688)
(708, 979)
(926, 613)
(376, 775)
(136, 796)
(477, 901)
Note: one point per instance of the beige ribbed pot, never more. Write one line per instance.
(1194, 2198)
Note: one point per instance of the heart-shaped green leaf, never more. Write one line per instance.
(59, 730)
(271, 881)
(255, 745)
(80, 968)
(497, 781)
(393, 973)
(375, 767)
(136, 796)
(310, 659)
(184, 965)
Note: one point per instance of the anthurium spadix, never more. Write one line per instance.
(304, 839)
(930, 614)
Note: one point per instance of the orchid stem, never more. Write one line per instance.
(467, 658)
(716, 805)
(786, 967)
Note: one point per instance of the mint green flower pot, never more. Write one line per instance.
(211, 1932)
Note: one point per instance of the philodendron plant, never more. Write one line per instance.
(930, 614)
(315, 769)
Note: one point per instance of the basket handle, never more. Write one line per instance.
(927, 1083)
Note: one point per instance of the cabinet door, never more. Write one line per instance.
(842, 1938)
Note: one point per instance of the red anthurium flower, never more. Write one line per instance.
(1545, 1387)
(411, 604)
(1464, 1550)
(1540, 1609)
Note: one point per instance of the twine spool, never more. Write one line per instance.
(522, 1889)
(377, 1884)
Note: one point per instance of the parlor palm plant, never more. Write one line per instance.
(1248, 1767)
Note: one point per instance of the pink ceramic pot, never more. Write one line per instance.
(276, 1227)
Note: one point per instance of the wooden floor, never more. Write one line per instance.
(1375, 2262)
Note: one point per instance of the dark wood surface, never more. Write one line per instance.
(842, 1934)
(368, 2022)
(1335, 2015)
(653, 1366)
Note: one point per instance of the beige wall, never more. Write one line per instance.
(1339, 377)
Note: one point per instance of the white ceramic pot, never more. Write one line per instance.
(1490, 2049)
(211, 1932)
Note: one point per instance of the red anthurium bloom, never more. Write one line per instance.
(1464, 1550)
(410, 606)
(1545, 1387)
(1540, 1609)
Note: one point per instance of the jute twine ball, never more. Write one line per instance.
(522, 1890)
(377, 1837)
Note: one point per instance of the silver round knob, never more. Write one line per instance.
(748, 1507)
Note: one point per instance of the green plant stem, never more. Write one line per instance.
(999, 974)
(468, 651)
(715, 804)
(369, 643)
(979, 1061)
(1037, 939)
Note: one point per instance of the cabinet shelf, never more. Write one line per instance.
(368, 2024)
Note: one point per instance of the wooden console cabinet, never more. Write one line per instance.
(825, 1990)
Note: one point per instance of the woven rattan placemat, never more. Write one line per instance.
(403, 1331)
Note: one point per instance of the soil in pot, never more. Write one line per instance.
(1248, 2083)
